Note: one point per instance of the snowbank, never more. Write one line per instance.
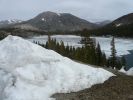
(122, 70)
(30, 72)
(129, 72)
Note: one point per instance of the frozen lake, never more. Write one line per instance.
(70, 40)
(123, 46)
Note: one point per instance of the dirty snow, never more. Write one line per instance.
(30, 72)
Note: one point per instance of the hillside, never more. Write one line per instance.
(124, 20)
(121, 27)
(50, 21)
(45, 23)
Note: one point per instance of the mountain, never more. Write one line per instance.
(31, 72)
(5, 23)
(124, 20)
(103, 23)
(50, 21)
(121, 27)
(56, 23)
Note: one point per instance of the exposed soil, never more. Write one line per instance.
(116, 88)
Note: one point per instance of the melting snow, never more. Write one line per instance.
(129, 72)
(30, 72)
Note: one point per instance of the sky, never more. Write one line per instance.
(91, 10)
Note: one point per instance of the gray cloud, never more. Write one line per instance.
(92, 10)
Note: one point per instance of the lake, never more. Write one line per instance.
(123, 46)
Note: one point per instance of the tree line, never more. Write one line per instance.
(89, 53)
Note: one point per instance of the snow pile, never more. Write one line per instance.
(30, 72)
(130, 72)
(122, 70)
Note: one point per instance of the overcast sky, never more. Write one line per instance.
(91, 10)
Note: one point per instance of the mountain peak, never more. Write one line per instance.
(48, 13)
(51, 21)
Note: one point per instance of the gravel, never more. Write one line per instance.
(116, 88)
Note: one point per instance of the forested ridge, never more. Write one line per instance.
(121, 31)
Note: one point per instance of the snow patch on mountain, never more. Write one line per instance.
(14, 21)
(117, 25)
(59, 14)
(6, 23)
(43, 19)
(31, 72)
(11, 21)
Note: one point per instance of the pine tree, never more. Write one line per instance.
(99, 55)
(113, 53)
(104, 60)
(48, 45)
(62, 48)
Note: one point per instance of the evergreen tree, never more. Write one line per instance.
(99, 55)
(62, 48)
(113, 54)
(49, 42)
(115, 63)
(118, 64)
(104, 60)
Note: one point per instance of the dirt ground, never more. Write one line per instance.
(116, 88)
